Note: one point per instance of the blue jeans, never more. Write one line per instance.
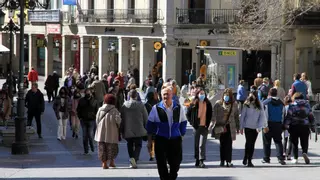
(87, 132)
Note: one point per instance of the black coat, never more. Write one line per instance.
(87, 109)
(35, 101)
(192, 115)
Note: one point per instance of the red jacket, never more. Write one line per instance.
(33, 76)
(121, 80)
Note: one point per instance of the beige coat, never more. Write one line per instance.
(6, 105)
(218, 115)
(108, 123)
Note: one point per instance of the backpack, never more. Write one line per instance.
(301, 113)
(263, 93)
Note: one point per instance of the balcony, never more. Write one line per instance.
(310, 18)
(44, 16)
(206, 16)
(118, 16)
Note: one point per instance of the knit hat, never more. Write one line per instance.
(110, 99)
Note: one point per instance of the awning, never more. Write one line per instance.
(3, 49)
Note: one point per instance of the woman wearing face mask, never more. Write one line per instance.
(226, 118)
(199, 115)
(251, 123)
(61, 107)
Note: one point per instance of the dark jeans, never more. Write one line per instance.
(134, 146)
(55, 92)
(37, 116)
(299, 132)
(87, 133)
(168, 150)
(50, 95)
(251, 137)
(226, 145)
(275, 132)
(286, 141)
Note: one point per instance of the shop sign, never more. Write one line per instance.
(53, 28)
(40, 43)
(157, 45)
(227, 53)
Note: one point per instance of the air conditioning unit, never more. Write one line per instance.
(183, 19)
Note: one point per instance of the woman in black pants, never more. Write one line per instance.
(299, 119)
(252, 121)
(286, 135)
(226, 116)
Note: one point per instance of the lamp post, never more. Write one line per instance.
(20, 146)
(11, 27)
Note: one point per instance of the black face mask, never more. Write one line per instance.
(88, 96)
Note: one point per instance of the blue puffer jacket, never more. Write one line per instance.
(166, 123)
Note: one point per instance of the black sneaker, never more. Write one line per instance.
(306, 158)
(92, 149)
(201, 164)
(73, 134)
(151, 159)
(229, 164)
(222, 164)
(250, 164)
(77, 136)
(245, 161)
(282, 162)
(265, 161)
(85, 153)
(40, 137)
(197, 163)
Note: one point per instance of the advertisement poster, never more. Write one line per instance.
(70, 2)
(231, 76)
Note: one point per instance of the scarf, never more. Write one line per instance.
(202, 113)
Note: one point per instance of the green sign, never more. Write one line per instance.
(227, 53)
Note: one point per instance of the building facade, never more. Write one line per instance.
(123, 35)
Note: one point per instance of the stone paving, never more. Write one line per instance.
(51, 159)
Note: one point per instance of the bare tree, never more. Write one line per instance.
(261, 22)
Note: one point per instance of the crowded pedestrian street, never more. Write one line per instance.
(52, 159)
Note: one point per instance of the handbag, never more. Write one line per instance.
(222, 129)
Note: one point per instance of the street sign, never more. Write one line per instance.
(227, 53)
(70, 2)
(53, 28)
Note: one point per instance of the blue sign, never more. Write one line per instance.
(69, 2)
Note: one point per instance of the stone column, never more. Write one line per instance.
(49, 56)
(32, 52)
(169, 61)
(82, 66)
(145, 56)
(274, 72)
(66, 55)
(103, 56)
(123, 54)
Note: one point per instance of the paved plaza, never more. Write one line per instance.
(51, 159)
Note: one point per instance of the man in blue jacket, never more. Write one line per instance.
(299, 86)
(274, 109)
(168, 122)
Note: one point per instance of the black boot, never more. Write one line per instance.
(202, 165)
(197, 163)
(250, 163)
(221, 163)
(245, 161)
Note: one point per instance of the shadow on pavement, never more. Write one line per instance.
(131, 178)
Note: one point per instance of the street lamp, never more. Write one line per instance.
(10, 28)
(75, 44)
(20, 146)
(133, 47)
(197, 49)
(113, 47)
(57, 43)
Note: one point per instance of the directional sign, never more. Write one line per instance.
(227, 53)
(70, 2)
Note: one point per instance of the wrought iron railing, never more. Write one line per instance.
(206, 16)
(142, 16)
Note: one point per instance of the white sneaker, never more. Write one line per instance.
(294, 161)
(306, 158)
(133, 163)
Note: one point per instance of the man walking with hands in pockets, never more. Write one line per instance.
(168, 122)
